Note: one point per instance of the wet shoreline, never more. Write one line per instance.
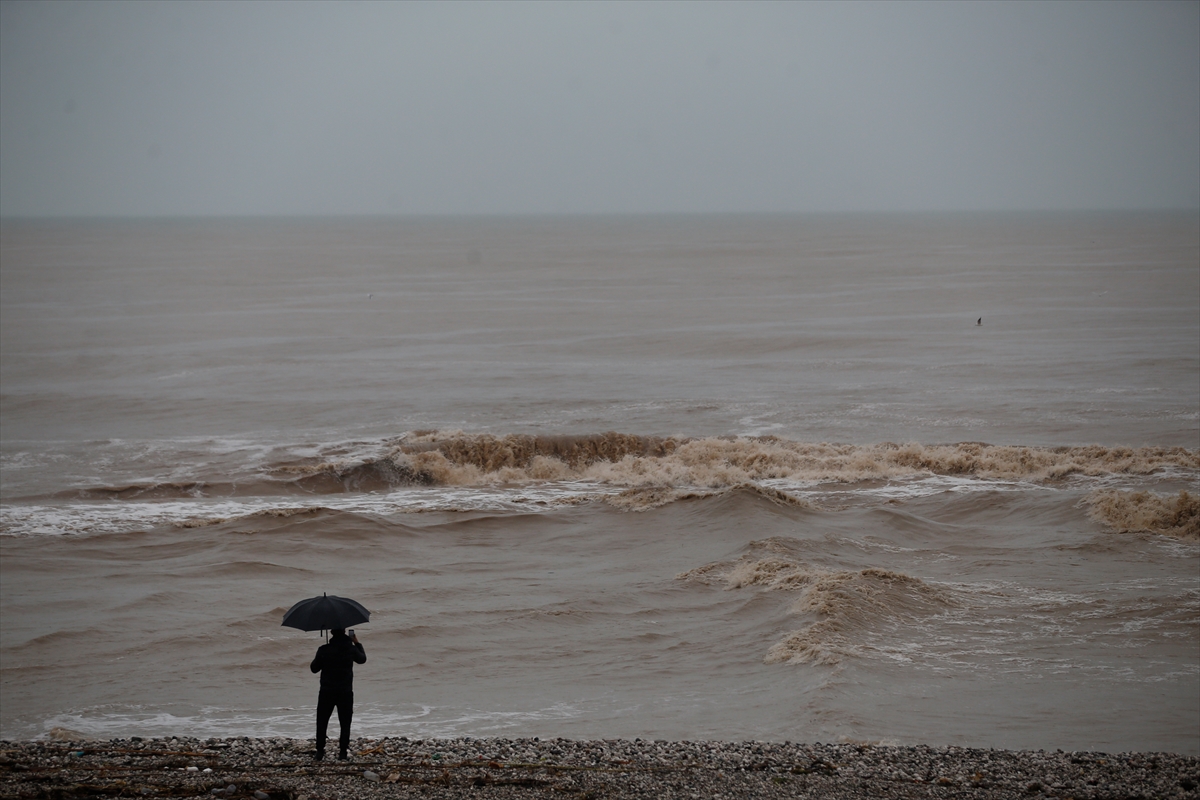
(278, 768)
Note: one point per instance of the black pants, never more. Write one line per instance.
(327, 700)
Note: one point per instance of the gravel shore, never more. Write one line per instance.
(559, 768)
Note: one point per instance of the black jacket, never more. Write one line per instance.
(335, 661)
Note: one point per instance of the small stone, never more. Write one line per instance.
(261, 796)
(207, 770)
(193, 769)
(371, 776)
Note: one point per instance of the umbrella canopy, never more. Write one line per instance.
(325, 613)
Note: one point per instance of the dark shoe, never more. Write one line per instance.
(342, 756)
(320, 754)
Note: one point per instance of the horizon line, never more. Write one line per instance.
(588, 214)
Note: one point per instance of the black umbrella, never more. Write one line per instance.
(325, 613)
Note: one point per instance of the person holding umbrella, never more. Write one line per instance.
(335, 660)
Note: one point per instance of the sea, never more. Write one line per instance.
(901, 479)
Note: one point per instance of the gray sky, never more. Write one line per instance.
(149, 108)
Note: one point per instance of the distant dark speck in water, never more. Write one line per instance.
(980, 321)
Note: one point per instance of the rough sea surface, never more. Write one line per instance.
(888, 479)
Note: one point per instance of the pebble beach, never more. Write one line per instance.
(391, 767)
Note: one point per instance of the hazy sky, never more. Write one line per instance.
(149, 108)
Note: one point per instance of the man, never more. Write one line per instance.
(335, 661)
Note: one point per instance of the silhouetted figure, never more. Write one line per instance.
(335, 661)
(980, 322)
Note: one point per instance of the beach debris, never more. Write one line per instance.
(68, 735)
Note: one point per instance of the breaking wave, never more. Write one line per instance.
(455, 458)
(846, 604)
(1128, 512)
(455, 471)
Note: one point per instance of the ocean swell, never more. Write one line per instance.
(646, 498)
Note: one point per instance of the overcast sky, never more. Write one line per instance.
(178, 108)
